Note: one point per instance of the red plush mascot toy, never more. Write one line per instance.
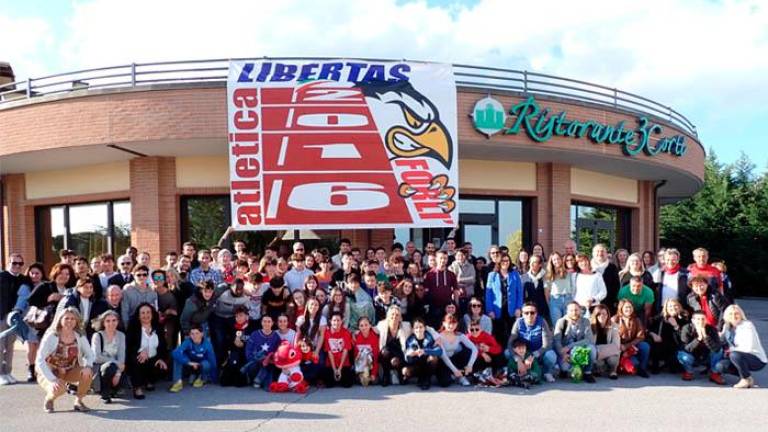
(287, 358)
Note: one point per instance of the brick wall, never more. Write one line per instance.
(154, 206)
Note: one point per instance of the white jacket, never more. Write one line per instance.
(589, 286)
(48, 346)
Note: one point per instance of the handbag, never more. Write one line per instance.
(38, 318)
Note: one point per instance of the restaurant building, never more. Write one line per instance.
(100, 159)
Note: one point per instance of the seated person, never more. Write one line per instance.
(259, 351)
(701, 345)
(194, 356)
(571, 331)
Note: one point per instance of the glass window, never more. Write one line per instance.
(88, 229)
(592, 224)
(85, 228)
(402, 235)
(121, 215)
(477, 206)
(510, 226)
(204, 219)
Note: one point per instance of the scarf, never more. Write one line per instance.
(537, 277)
(599, 267)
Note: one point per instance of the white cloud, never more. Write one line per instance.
(684, 53)
(24, 42)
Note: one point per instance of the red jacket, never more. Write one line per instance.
(486, 338)
(710, 272)
(372, 342)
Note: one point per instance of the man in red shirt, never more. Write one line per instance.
(701, 267)
(442, 288)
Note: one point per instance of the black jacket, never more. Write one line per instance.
(716, 302)
(133, 342)
(682, 290)
(119, 280)
(9, 291)
(700, 349)
(612, 282)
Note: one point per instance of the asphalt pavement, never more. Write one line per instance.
(660, 403)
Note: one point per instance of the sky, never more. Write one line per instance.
(706, 59)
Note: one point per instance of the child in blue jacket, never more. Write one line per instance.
(194, 356)
(422, 354)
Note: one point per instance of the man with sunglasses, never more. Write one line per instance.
(137, 292)
(534, 329)
(124, 276)
(10, 282)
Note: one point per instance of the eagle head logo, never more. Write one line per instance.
(421, 132)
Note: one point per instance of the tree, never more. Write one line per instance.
(728, 217)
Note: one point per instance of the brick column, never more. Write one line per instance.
(18, 219)
(552, 218)
(644, 218)
(154, 206)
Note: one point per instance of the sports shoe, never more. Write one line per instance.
(464, 382)
(4, 380)
(549, 378)
(717, 378)
(198, 383)
(642, 373)
(80, 406)
(687, 376)
(31, 374)
(177, 386)
(613, 376)
(48, 406)
(742, 384)
(589, 378)
(12, 379)
(393, 376)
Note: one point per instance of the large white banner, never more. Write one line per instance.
(342, 144)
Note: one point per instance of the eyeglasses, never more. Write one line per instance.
(158, 277)
(125, 264)
(141, 275)
(18, 263)
(476, 305)
(494, 252)
(474, 330)
(529, 313)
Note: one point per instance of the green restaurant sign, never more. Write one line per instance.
(490, 118)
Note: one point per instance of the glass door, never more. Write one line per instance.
(593, 231)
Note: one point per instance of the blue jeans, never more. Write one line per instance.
(566, 366)
(641, 358)
(548, 361)
(255, 371)
(180, 368)
(557, 306)
(688, 361)
(745, 363)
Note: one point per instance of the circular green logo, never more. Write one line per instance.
(489, 116)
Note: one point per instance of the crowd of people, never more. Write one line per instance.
(375, 316)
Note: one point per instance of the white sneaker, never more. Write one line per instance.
(549, 378)
(4, 380)
(12, 379)
(464, 382)
(395, 379)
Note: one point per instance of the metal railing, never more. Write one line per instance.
(136, 75)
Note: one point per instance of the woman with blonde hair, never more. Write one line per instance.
(559, 283)
(605, 337)
(634, 267)
(746, 352)
(663, 334)
(65, 357)
(393, 334)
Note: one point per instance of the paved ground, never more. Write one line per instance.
(661, 403)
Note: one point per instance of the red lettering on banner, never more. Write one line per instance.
(249, 215)
(318, 119)
(427, 195)
(246, 98)
(324, 152)
(247, 167)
